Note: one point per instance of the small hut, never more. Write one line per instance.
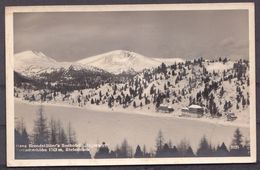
(165, 109)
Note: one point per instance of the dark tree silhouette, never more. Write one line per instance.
(62, 136)
(159, 141)
(21, 135)
(222, 150)
(103, 152)
(138, 152)
(189, 152)
(72, 139)
(237, 148)
(205, 148)
(184, 149)
(41, 130)
(53, 132)
(124, 151)
(134, 104)
(237, 138)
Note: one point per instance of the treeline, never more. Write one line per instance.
(238, 147)
(53, 132)
(46, 132)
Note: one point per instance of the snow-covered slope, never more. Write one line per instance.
(119, 61)
(30, 63)
(219, 66)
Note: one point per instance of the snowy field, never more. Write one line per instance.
(94, 127)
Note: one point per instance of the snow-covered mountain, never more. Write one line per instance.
(119, 61)
(31, 63)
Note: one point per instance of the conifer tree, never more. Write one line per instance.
(92, 101)
(124, 150)
(138, 152)
(237, 148)
(221, 91)
(103, 152)
(53, 132)
(226, 106)
(71, 135)
(151, 90)
(243, 102)
(205, 148)
(222, 150)
(159, 141)
(189, 152)
(41, 131)
(62, 136)
(237, 138)
(134, 104)
(183, 147)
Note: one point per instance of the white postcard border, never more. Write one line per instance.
(9, 11)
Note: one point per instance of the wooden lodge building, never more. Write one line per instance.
(193, 111)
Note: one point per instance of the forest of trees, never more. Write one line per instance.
(69, 80)
(53, 132)
(238, 147)
(46, 132)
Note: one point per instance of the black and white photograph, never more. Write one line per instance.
(130, 84)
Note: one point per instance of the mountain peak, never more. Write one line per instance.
(30, 62)
(119, 51)
(32, 55)
(119, 61)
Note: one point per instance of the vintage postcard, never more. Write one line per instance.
(130, 84)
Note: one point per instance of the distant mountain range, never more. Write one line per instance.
(31, 63)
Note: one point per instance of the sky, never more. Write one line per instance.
(73, 36)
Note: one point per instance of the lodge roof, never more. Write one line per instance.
(194, 106)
